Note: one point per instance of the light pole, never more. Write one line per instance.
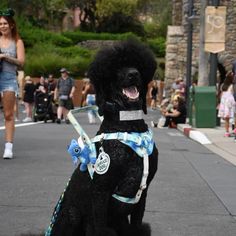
(213, 57)
(189, 50)
(190, 19)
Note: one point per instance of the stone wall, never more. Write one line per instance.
(174, 55)
(177, 12)
(95, 44)
(176, 47)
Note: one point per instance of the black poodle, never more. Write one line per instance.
(111, 202)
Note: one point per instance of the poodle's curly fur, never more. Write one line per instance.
(109, 61)
(120, 75)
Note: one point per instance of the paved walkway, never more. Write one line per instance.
(214, 140)
(192, 194)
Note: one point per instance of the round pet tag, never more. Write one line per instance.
(102, 163)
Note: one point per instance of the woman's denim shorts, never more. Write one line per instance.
(90, 99)
(8, 82)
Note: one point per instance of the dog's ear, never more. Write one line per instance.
(100, 100)
(144, 94)
(144, 106)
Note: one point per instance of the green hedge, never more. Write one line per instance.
(47, 52)
(78, 36)
(33, 35)
(158, 45)
(43, 59)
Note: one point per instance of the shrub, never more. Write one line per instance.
(151, 30)
(78, 36)
(158, 46)
(32, 35)
(47, 52)
(120, 23)
(46, 58)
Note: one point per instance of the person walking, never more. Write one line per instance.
(12, 55)
(90, 98)
(64, 91)
(234, 94)
(227, 102)
(29, 90)
(153, 94)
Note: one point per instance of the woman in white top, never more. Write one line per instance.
(12, 55)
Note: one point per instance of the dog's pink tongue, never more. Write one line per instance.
(131, 92)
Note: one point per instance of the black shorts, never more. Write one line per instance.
(68, 103)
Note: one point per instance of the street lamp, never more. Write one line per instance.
(190, 20)
(213, 57)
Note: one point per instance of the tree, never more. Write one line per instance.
(118, 16)
(87, 14)
(106, 8)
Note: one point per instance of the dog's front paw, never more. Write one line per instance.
(105, 232)
(138, 230)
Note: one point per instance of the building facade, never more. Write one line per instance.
(177, 36)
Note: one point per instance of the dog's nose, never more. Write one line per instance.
(132, 74)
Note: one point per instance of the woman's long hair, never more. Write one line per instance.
(13, 27)
(228, 81)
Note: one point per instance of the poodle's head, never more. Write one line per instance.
(120, 75)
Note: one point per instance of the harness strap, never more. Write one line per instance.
(141, 143)
(118, 135)
(81, 131)
(142, 185)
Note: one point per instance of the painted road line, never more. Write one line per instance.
(24, 124)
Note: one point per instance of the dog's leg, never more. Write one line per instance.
(100, 200)
(141, 230)
(138, 213)
(101, 227)
(66, 220)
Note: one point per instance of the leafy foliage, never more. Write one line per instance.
(158, 46)
(106, 8)
(46, 58)
(114, 20)
(118, 17)
(87, 15)
(78, 36)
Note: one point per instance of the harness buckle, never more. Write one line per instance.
(143, 187)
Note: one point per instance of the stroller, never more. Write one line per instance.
(44, 108)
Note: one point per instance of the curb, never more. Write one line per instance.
(193, 134)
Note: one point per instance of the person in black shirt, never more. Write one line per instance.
(177, 115)
(51, 85)
(153, 94)
(28, 98)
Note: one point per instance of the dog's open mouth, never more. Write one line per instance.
(131, 93)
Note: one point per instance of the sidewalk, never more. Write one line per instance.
(213, 139)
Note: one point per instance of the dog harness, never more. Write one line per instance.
(141, 143)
